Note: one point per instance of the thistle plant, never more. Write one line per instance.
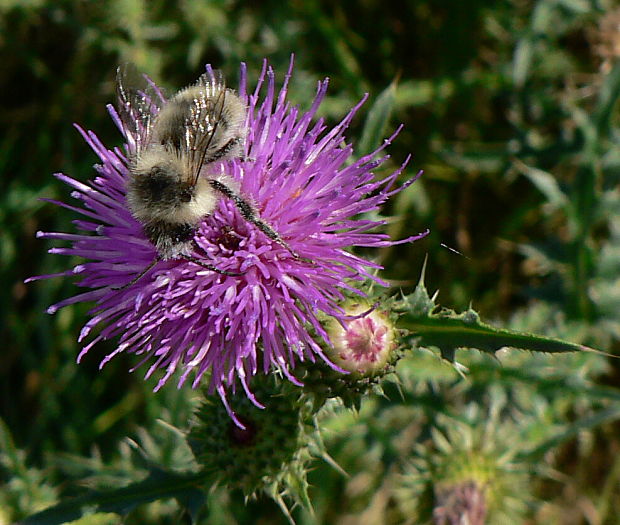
(226, 329)
(471, 466)
(279, 342)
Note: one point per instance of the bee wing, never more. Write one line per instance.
(204, 117)
(139, 102)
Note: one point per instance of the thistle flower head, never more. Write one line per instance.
(180, 317)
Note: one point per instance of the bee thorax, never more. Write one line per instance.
(210, 111)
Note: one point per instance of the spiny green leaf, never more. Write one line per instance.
(194, 501)
(419, 303)
(546, 183)
(159, 484)
(610, 91)
(587, 423)
(377, 120)
(447, 330)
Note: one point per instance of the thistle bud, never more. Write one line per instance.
(363, 343)
(472, 469)
(460, 503)
(363, 350)
(269, 454)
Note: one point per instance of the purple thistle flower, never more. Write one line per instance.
(182, 317)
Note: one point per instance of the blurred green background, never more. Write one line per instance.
(507, 106)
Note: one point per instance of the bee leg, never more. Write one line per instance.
(139, 276)
(248, 214)
(209, 266)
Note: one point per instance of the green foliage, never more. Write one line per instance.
(27, 491)
(510, 108)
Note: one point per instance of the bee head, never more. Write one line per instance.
(163, 184)
(161, 189)
(160, 184)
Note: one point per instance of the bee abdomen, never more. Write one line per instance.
(170, 239)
